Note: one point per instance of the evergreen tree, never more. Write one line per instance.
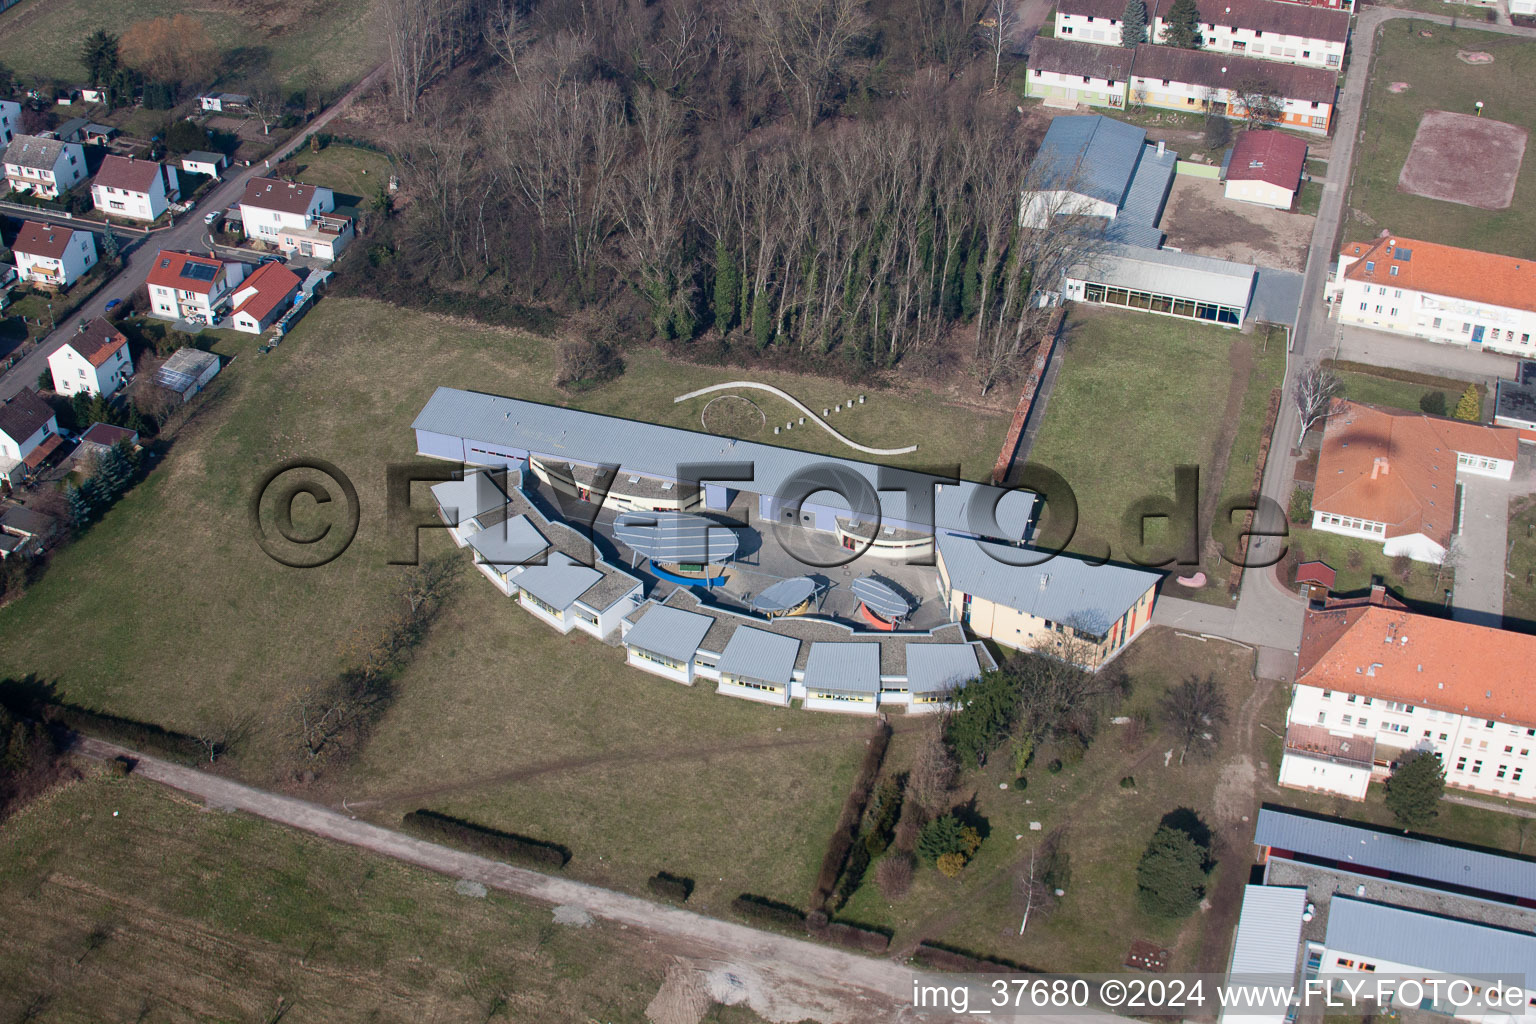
(1183, 25)
(115, 472)
(109, 246)
(1470, 407)
(762, 320)
(1133, 23)
(727, 286)
(1415, 788)
(970, 281)
(100, 56)
(941, 836)
(1170, 879)
(82, 505)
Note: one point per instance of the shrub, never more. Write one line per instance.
(45, 381)
(1301, 506)
(950, 865)
(1129, 782)
(671, 887)
(940, 836)
(1402, 567)
(584, 364)
(487, 841)
(760, 908)
(121, 766)
(1470, 407)
(1170, 878)
(1054, 767)
(894, 875)
(1433, 403)
(837, 858)
(854, 937)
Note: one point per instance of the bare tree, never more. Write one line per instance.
(933, 769)
(1262, 103)
(1312, 392)
(1195, 710)
(1452, 560)
(507, 33)
(805, 44)
(1059, 691)
(999, 21)
(266, 101)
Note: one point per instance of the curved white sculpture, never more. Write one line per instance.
(792, 400)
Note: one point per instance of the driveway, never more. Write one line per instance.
(189, 234)
(1377, 348)
(1483, 544)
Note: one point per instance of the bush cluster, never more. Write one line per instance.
(670, 887)
(760, 908)
(491, 842)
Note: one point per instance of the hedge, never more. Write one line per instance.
(145, 737)
(946, 958)
(488, 841)
(670, 886)
(853, 936)
(760, 908)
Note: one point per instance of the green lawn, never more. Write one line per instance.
(1356, 560)
(197, 628)
(353, 174)
(1519, 585)
(1437, 80)
(1138, 395)
(1394, 393)
(329, 36)
(255, 917)
(1309, 198)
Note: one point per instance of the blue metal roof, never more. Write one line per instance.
(1089, 154)
(847, 667)
(1136, 223)
(933, 668)
(759, 654)
(1063, 589)
(514, 541)
(675, 536)
(669, 632)
(560, 582)
(1375, 852)
(1269, 930)
(1427, 941)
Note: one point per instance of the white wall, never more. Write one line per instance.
(1416, 546)
(73, 373)
(1324, 776)
(1319, 53)
(1261, 192)
(1434, 317)
(79, 256)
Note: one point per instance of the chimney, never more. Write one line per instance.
(1380, 467)
(1162, 147)
(1378, 592)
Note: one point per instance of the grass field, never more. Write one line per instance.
(1519, 589)
(1437, 80)
(195, 628)
(1139, 395)
(256, 918)
(1397, 394)
(1357, 560)
(353, 174)
(330, 36)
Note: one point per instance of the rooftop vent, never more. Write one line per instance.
(1045, 580)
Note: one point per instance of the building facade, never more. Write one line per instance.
(1267, 29)
(133, 189)
(28, 434)
(10, 121)
(93, 362)
(1438, 293)
(185, 286)
(54, 256)
(44, 167)
(294, 217)
(1164, 282)
(1226, 83)
(1067, 73)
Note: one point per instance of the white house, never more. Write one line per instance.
(1264, 167)
(294, 217)
(93, 362)
(51, 255)
(46, 167)
(28, 435)
(263, 298)
(135, 189)
(10, 121)
(1065, 73)
(203, 162)
(1391, 477)
(1438, 292)
(184, 286)
(1374, 680)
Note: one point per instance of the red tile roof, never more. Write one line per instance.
(276, 194)
(106, 435)
(274, 284)
(128, 174)
(98, 341)
(1377, 648)
(1399, 468)
(1270, 156)
(170, 265)
(1320, 573)
(38, 239)
(1444, 270)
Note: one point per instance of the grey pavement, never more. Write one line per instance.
(1378, 348)
(1478, 594)
(190, 234)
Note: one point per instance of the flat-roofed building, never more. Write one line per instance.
(1165, 282)
(1514, 402)
(663, 641)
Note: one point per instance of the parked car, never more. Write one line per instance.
(113, 304)
(270, 259)
(212, 218)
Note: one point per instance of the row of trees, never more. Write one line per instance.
(683, 153)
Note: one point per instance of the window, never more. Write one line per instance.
(1327, 694)
(1500, 773)
(1461, 764)
(1364, 723)
(1165, 81)
(1466, 328)
(1489, 723)
(1370, 266)
(1322, 718)
(1515, 776)
(1086, 79)
(1346, 963)
(1437, 323)
(1525, 339)
(1378, 307)
(1444, 737)
(1509, 750)
(1362, 307)
(1394, 311)
(1348, 719)
(1352, 698)
(1426, 734)
(1038, 72)
(1477, 767)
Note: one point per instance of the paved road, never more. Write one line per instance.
(1267, 614)
(1479, 589)
(190, 233)
(821, 982)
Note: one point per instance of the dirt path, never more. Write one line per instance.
(1240, 357)
(782, 979)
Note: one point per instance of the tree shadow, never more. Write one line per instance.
(1182, 819)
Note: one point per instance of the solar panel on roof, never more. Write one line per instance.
(785, 595)
(1404, 254)
(675, 537)
(881, 597)
(198, 271)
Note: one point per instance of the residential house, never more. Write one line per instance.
(1265, 166)
(1375, 680)
(1438, 292)
(1066, 73)
(1166, 282)
(218, 102)
(44, 167)
(294, 217)
(1225, 83)
(1061, 604)
(93, 362)
(203, 162)
(1514, 402)
(25, 532)
(1271, 30)
(185, 286)
(187, 372)
(10, 121)
(101, 438)
(1094, 166)
(28, 435)
(1391, 477)
(132, 188)
(263, 298)
(51, 255)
